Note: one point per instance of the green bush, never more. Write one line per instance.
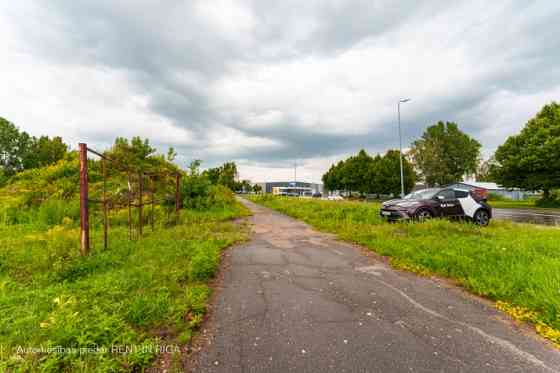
(204, 263)
(552, 201)
(146, 309)
(497, 197)
(3, 178)
(197, 297)
(49, 213)
(197, 194)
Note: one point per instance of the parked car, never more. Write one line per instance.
(335, 198)
(316, 195)
(438, 202)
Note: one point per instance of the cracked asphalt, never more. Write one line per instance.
(296, 300)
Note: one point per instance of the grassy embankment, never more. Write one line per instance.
(524, 204)
(514, 264)
(529, 203)
(123, 304)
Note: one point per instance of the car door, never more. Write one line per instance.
(448, 204)
(463, 197)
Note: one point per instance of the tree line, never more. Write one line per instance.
(19, 151)
(370, 175)
(444, 154)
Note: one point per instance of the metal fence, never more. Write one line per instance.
(140, 184)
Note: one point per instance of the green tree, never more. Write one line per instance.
(171, 154)
(244, 186)
(444, 154)
(136, 154)
(356, 172)
(388, 174)
(195, 186)
(531, 159)
(44, 151)
(213, 175)
(228, 175)
(225, 175)
(333, 179)
(365, 174)
(14, 148)
(328, 179)
(257, 188)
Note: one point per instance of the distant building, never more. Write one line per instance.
(493, 188)
(291, 187)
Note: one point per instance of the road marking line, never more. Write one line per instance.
(493, 339)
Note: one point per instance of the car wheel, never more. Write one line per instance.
(482, 217)
(424, 214)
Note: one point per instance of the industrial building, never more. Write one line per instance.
(291, 188)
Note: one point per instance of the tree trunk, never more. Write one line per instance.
(546, 193)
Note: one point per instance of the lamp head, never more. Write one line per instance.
(403, 100)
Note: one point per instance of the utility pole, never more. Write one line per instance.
(403, 100)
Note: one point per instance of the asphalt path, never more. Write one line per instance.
(533, 216)
(295, 300)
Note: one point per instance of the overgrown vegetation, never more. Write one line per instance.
(123, 303)
(118, 308)
(516, 264)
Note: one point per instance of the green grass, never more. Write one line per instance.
(511, 204)
(525, 204)
(508, 262)
(124, 301)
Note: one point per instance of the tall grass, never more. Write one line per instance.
(508, 262)
(49, 213)
(116, 302)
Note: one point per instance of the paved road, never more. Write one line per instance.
(294, 300)
(535, 216)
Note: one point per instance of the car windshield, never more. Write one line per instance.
(422, 194)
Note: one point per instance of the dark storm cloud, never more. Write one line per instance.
(174, 56)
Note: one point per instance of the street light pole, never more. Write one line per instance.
(403, 100)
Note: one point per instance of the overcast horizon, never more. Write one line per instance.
(264, 84)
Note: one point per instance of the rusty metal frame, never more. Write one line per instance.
(108, 203)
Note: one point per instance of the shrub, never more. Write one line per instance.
(497, 197)
(204, 263)
(552, 201)
(146, 309)
(203, 196)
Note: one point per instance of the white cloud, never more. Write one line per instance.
(264, 83)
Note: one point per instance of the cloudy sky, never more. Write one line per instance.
(265, 83)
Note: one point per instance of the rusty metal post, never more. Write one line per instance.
(84, 212)
(129, 197)
(177, 195)
(152, 191)
(105, 220)
(140, 203)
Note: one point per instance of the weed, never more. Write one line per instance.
(112, 302)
